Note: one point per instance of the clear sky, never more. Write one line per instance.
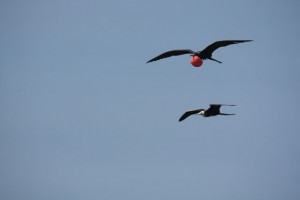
(84, 117)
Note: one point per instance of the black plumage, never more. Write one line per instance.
(204, 54)
(213, 110)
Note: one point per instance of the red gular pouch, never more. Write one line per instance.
(196, 61)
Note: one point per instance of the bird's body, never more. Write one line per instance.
(204, 54)
(213, 110)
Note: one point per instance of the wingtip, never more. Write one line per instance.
(241, 41)
(150, 61)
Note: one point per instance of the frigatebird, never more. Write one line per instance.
(213, 110)
(198, 56)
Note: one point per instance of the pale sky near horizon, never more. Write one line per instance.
(84, 117)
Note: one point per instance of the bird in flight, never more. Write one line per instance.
(198, 56)
(213, 110)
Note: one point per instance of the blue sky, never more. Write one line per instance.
(84, 117)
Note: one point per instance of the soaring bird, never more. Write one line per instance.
(198, 56)
(213, 110)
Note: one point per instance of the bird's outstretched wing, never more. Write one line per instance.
(215, 108)
(189, 113)
(207, 52)
(172, 53)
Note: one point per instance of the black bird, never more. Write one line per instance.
(213, 110)
(204, 54)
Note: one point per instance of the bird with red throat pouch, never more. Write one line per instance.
(197, 57)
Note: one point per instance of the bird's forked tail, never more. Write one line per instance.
(214, 60)
(226, 114)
